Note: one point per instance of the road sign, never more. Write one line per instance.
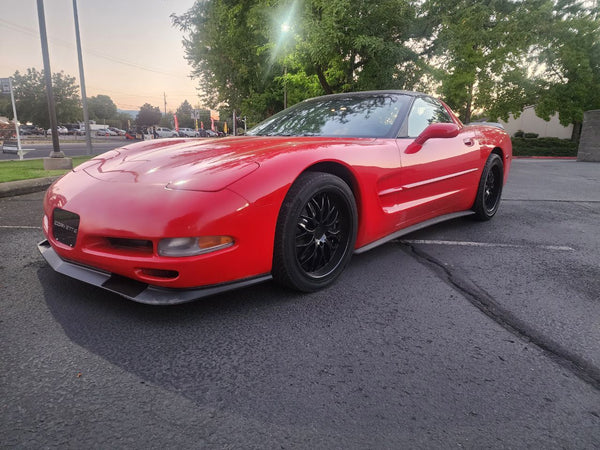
(6, 88)
(5, 85)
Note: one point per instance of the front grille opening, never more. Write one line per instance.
(131, 244)
(159, 273)
(65, 226)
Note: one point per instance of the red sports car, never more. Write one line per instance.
(169, 221)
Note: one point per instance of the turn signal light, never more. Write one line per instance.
(192, 246)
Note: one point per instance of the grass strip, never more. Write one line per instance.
(31, 168)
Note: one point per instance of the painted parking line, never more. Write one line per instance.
(20, 227)
(561, 248)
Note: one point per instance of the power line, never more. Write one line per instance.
(33, 33)
(57, 41)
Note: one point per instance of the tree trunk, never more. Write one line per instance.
(469, 105)
(576, 133)
(323, 81)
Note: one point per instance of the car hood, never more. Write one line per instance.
(176, 163)
(198, 165)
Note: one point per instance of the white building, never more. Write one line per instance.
(530, 123)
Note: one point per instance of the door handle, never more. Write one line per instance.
(468, 142)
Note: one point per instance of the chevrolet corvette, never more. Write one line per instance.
(172, 220)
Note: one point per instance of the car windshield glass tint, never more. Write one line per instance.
(351, 115)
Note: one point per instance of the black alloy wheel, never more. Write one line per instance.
(490, 188)
(316, 232)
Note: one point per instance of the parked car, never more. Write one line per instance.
(72, 128)
(31, 130)
(117, 131)
(27, 130)
(166, 132)
(187, 132)
(292, 201)
(105, 132)
(211, 133)
(60, 129)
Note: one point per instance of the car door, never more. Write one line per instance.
(437, 176)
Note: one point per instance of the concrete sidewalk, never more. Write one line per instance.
(21, 187)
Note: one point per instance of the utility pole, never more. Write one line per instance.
(165, 97)
(86, 116)
(56, 159)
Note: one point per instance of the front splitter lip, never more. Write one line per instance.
(135, 290)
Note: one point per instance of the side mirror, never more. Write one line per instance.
(433, 131)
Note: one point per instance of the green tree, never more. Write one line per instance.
(184, 115)
(479, 49)
(357, 45)
(101, 107)
(123, 120)
(569, 55)
(6, 106)
(148, 115)
(204, 119)
(244, 58)
(31, 100)
(167, 120)
(222, 42)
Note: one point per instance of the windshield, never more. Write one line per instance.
(351, 115)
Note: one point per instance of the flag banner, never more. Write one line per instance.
(176, 122)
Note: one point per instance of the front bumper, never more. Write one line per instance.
(135, 290)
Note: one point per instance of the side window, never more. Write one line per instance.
(424, 112)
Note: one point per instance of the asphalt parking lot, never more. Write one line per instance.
(465, 335)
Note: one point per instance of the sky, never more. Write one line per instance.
(131, 52)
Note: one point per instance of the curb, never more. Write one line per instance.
(570, 158)
(10, 188)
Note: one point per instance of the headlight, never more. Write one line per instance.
(192, 246)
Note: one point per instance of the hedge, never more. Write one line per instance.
(543, 147)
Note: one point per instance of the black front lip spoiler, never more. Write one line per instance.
(135, 290)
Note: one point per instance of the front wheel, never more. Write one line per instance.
(316, 232)
(490, 188)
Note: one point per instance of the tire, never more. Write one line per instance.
(316, 232)
(489, 191)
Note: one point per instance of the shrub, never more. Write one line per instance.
(530, 135)
(544, 147)
(519, 134)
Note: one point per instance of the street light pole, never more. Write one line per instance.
(56, 153)
(56, 158)
(86, 116)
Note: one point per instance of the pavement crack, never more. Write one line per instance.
(483, 301)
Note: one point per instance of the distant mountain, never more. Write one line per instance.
(132, 112)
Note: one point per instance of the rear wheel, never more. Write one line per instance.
(316, 232)
(490, 188)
